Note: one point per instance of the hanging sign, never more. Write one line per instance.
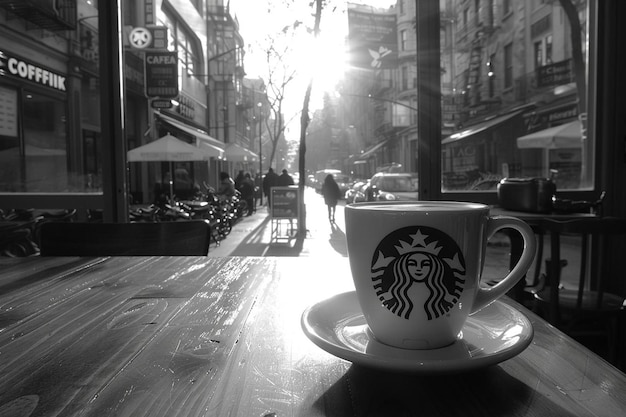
(20, 68)
(146, 38)
(161, 74)
(161, 104)
(372, 38)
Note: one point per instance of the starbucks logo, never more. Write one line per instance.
(418, 255)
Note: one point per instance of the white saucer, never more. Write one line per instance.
(494, 334)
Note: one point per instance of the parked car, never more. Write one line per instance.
(389, 186)
(360, 193)
(343, 181)
(353, 190)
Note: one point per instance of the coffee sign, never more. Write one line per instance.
(26, 70)
(161, 74)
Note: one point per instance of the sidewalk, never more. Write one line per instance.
(252, 236)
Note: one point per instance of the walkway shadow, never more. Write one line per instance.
(338, 240)
(253, 244)
(290, 248)
(256, 244)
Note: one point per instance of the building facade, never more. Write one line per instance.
(508, 71)
(183, 76)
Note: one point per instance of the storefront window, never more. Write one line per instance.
(9, 142)
(45, 146)
(49, 105)
(34, 154)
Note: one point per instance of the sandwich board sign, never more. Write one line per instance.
(284, 202)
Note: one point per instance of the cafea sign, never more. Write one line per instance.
(21, 68)
(161, 70)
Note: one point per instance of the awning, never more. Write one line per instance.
(567, 135)
(207, 147)
(30, 150)
(237, 153)
(373, 149)
(201, 135)
(479, 127)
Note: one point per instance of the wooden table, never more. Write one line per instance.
(198, 336)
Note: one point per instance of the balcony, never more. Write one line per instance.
(51, 15)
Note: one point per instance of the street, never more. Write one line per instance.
(252, 236)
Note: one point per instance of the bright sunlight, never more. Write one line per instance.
(323, 58)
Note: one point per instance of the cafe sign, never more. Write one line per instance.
(161, 78)
(149, 38)
(20, 68)
(558, 73)
(161, 104)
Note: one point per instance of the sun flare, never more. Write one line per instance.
(323, 60)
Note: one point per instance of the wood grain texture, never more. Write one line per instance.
(197, 336)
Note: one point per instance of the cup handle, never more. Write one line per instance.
(487, 295)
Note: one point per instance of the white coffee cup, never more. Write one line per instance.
(416, 267)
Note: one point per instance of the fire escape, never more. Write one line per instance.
(474, 76)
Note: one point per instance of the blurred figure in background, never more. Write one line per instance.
(332, 194)
(285, 179)
(270, 180)
(247, 192)
(227, 186)
(258, 188)
(239, 179)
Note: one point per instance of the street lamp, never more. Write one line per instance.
(259, 105)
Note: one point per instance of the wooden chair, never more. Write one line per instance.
(587, 310)
(125, 239)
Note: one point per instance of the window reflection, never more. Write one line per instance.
(507, 70)
(510, 84)
(45, 145)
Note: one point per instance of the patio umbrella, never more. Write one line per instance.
(563, 136)
(170, 149)
(237, 153)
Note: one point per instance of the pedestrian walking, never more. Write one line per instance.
(239, 179)
(285, 179)
(258, 188)
(270, 180)
(332, 194)
(247, 192)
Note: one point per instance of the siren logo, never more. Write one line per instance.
(418, 256)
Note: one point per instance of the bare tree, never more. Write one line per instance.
(279, 76)
(280, 73)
